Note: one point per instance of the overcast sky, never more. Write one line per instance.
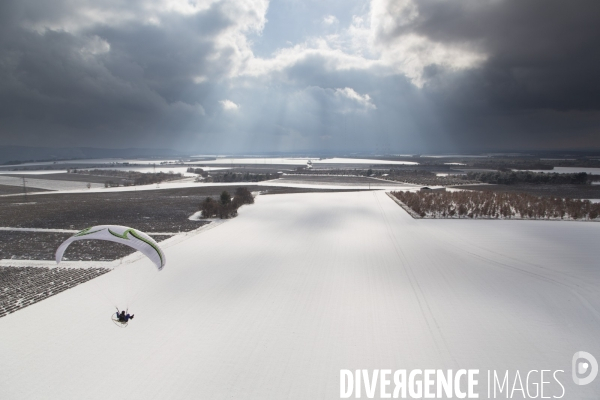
(231, 76)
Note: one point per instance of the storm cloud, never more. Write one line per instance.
(253, 76)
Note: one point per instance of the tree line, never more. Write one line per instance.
(198, 171)
(497, 205)
(239, 177)
(514, 177)
(129, 178)
(414, 176)
(226, 207)
(232, 176)
(427, 178)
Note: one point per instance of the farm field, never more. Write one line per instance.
(39, 182)
(34, 226)
(274, 303)
(15, 190)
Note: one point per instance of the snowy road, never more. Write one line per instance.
(273, 303)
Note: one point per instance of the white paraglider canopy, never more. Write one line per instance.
(118, 234)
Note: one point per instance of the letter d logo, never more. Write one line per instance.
(584, 364)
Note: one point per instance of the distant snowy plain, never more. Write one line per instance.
(47, 183)
(62, 186)
(272, 304)
(165, 163)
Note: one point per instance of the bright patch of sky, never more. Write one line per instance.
(356, 35)
(292, 22)
(229, 105)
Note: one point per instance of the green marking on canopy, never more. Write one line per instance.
(137, 236)
(86, 231)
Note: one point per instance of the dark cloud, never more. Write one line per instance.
(110, 85)
(538, 87)
(69, 80)
(543, 54)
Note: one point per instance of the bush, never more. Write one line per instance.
(209, 208)
(226, 207)
(243, 195)
(225, 198)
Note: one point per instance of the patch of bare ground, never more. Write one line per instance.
(149, 211)
(23, 286)
(42, 246)
(63, 176)
(9, 189)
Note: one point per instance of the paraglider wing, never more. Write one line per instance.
(118, 234)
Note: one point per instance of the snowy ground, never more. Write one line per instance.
(162, 168)
(118, 162)
(156, 166)
(273, 303)
(145, 168)
(188, 182)
(48, 184)
(302, 161)
(34, 172)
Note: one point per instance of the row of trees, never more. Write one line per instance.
(514, 177)
(427, 178)
(198, 171)
(240, 177)
(232, 176)
(336, 172)
(474, 204)
(129, 178)
(414, 176)
(226, 207)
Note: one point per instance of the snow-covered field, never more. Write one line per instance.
(109, 161)
(118, 162)
(47, 184)
(302, 161)
(145, 168)
(162, 168)
(190, 183)
(34, 172)
(272, 304)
